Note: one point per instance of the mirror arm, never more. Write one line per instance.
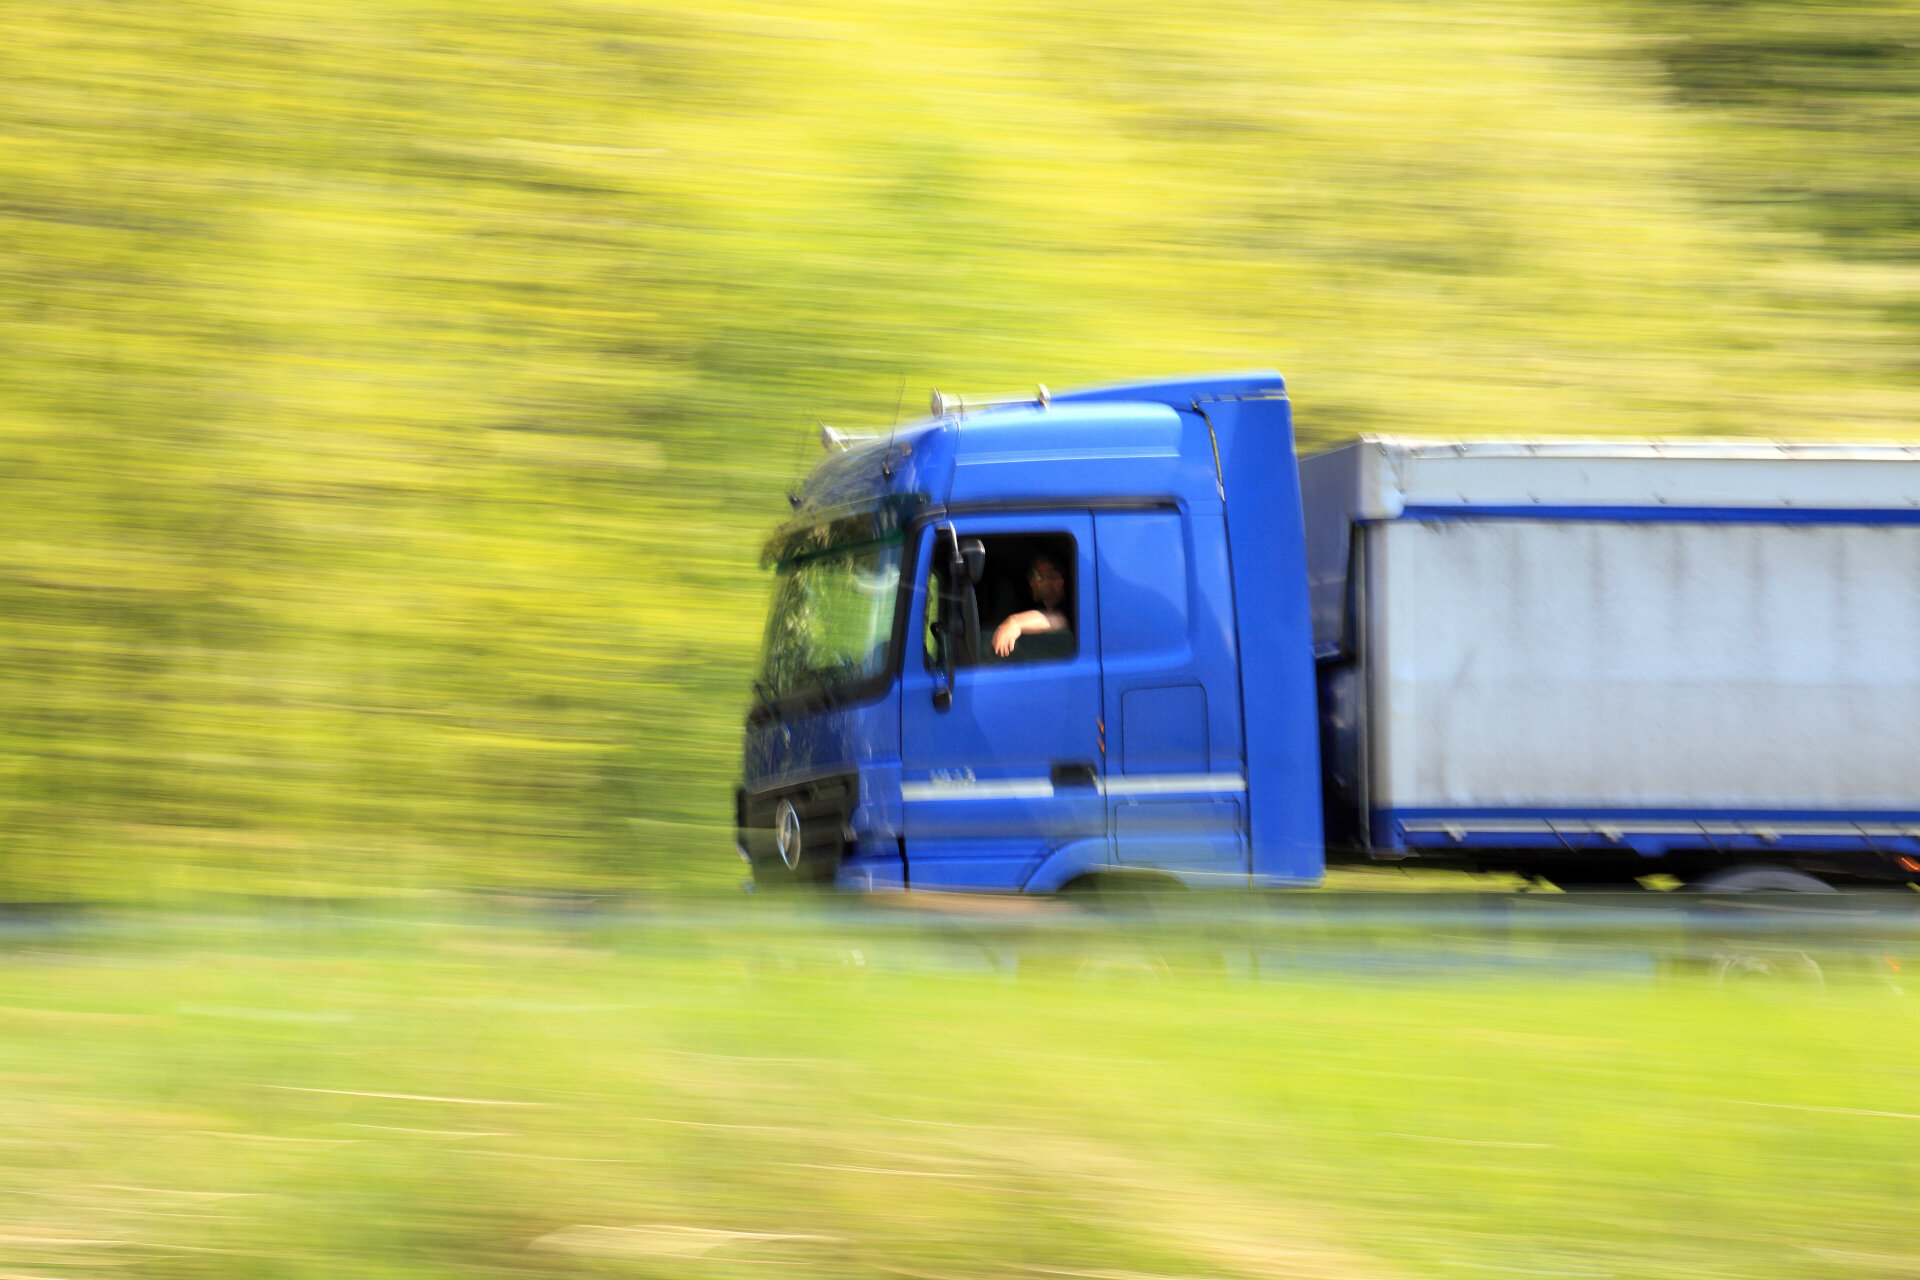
(970, 620)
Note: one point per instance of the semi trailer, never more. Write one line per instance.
(1037, 642)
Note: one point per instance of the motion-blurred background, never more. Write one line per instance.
(394, 396)
(393, 399)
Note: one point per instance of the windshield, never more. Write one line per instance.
(832, 618)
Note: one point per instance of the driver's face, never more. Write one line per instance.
(1047, 585)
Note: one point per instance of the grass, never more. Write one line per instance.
(395, 395)
(754, 1091)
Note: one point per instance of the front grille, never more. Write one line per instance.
(824, 806)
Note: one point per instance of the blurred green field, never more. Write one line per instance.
(768, 1093)
(394, 395)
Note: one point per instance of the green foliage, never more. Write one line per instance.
(1819, 106)
(396, 395)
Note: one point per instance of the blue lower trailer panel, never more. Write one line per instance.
(1651, 833)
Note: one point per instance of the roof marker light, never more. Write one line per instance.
(944, 405)
(833, 438)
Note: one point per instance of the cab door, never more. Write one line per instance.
(1013, 768)
(1176, 790)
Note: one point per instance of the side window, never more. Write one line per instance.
(1028, 600)
(934, 635)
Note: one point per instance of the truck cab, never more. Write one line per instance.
(1011, 648)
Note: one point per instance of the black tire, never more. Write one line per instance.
(1759, 879)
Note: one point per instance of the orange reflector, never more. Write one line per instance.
(1911, 864)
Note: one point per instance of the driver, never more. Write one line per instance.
(1049, 588)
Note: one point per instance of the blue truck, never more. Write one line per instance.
(1124, 634)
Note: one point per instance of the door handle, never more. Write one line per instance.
(1074, 774)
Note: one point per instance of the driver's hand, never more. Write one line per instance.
(1005, 636)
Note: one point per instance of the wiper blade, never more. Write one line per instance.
(766, 699)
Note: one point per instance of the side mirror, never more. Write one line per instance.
(973, 554)
(943, 689)
(953, 627)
